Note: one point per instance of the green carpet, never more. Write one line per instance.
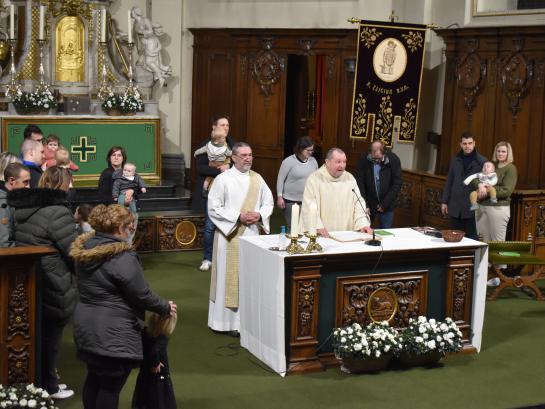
(509, 371)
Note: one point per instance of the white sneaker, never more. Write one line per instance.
(205, 265)
(62, 386)
(493, 282)
(62, 394)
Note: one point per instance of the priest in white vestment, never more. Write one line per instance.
(240, 204)
(337, 196)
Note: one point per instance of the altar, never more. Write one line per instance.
(290, 304)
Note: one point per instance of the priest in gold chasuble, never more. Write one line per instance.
(70, 50)
(240, 204)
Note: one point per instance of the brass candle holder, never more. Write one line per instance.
(313, 246)
(294, 247)
(43, 86)
(132, 89)
(14, 87)
(105, 90)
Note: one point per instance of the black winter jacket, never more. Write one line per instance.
(456, 193)
(113, 297)
(42, 218)
(391, 179)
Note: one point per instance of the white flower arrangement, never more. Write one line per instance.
(423, 336)
(25, 396)
(35, 101)
(126, 103)
(373, 341)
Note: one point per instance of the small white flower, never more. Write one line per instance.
(358, 347)
(343, 340)
(438, 338)
(425, 336)
(419, 339)
(421, 329)
(386, 348)
(431, 344)
(377, 354)
(23, 402)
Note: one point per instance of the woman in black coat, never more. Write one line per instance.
(116, 159)
(114, 296)
(42, 218)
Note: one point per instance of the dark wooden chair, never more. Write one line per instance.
(515, 275)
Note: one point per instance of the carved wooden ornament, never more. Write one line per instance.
(267, 68)
(516, 77)
(471, 76)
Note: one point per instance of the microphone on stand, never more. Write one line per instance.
(373, 241)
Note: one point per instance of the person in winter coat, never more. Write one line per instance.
(455, 199)
(379, 178)
(16, 174)
(113, 298)
(42, 218)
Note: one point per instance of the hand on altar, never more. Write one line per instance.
(367, 229)
(280, 202)
(322, 232)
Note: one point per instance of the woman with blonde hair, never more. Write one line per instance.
(492, 218)
(42, 218)
(113, 299)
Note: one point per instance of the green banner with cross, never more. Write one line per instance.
(88, 141)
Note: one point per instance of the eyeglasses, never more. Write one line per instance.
(245, 156)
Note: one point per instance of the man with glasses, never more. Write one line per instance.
(239, 204)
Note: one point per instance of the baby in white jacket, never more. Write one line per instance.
(487, 177)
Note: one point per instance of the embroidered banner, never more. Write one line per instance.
(387, 83)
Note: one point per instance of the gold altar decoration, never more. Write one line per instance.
(102, 51)
(382, 304)
(29, 68)
(70, 50)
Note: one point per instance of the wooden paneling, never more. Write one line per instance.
(230, 74)
(494, 87)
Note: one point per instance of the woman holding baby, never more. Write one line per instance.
(491, 215)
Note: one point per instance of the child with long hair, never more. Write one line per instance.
(153, 389)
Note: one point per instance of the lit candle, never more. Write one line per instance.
(312, 219)
(103, 25)
(42, 22)
(129, 29)
(11, 21)
(294, 220)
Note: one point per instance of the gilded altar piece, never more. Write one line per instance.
(70, 50)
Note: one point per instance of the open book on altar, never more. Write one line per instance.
(349, 236)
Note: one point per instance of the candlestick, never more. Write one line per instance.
(294, 247)
(42, 86)
(42, 22)
(312, 218)
(105, 90)
(294, 231)
(313, 246)
(103, 25)
(11, 21)
(14, 87)
(129, 28)
(131, 89)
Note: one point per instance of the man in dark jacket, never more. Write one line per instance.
(33, 158)
(379, 178)
(455, 199)
(198, 200)
(42, 218)
(16, 176)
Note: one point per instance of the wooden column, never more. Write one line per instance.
(305, 296)
(18, 313)
(459, 297)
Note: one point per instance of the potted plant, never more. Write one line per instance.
(367, 349)
(131, 104)
(425, 341)
(25, 396)
(35, 102)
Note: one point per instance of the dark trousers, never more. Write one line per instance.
(385, 219)
(102, 392)
(467, 225)
(209, 229)
(51, 343)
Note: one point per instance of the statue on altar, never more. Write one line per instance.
(149, 49)
(70, 55)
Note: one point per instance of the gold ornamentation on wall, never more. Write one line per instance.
(70, 50)
(359, 124)
(100, 59)
(408, 123)
(29, 68)
(383, 124)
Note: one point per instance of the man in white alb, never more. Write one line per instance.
(337, 196)
(240, 204)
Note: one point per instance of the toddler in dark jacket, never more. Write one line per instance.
(125, 180)
(153, 388)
